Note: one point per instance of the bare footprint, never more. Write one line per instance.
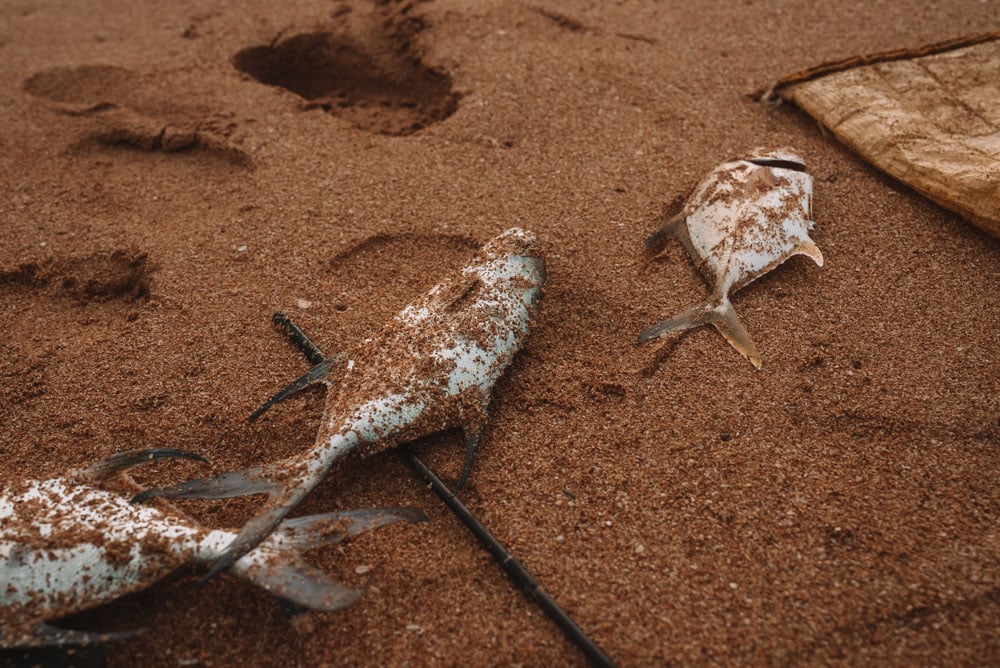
(128, 111)
(83, 87)
(366, 69)
(410, 263)
(102, 286)
(123, 275)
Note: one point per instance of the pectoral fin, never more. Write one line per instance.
(302, 584)
(122, 461)
(286, 575)
(472, 438)
(311, 531)
(317, 374)
(45, 635)
(809, 248)
(222, 486)
(675, 229)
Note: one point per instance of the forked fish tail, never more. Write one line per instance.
(277, 566)
(718, 312)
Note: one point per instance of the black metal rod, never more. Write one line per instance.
(299, 338)
(515, 570)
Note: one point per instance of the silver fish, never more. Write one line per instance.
(432, 368)
(747, 217)
(67, 545)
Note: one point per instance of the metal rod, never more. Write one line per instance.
(299, 338)
(514, 569)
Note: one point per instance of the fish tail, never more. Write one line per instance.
(285, 483)
(278, 566)
(718, 312)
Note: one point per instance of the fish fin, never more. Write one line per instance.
(222, 486)
(695, 316)
(472, 438)
(261, 526)
(795, 165)
(717, 312)
(305, 473)
(317, 374)
(297, 582)
(809, 248)
(122, 461)
(731, 327)
(457, 294)
(676, 228)
(288, 577)
(46, 635)
(306, 533)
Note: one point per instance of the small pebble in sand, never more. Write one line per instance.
(303, 303)
(362, 569)
(241, 249)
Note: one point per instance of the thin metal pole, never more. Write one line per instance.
(514, 569)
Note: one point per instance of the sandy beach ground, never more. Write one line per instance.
(159, 200)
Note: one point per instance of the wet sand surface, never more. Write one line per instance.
(173, 174)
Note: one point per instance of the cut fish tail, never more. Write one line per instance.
(282, 498)
(718, 312)
(279, 568)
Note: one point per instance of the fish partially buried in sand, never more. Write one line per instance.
(67, 544)
(431, 368)
(747, 217)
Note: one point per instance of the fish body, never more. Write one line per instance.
(67, 544)
(434, 365)
(431, 368)
(743, 220)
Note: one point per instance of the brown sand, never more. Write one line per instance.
(838, 506)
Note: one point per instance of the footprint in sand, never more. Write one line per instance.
(366, 69)
(129, 109)
(396, 267)
(103, 283)
(118, 275)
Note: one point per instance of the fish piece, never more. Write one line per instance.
(432, 368)
(743, 220)
(67, 545)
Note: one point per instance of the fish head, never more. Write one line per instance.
(514, 241)
(517, 255)
(783, 157)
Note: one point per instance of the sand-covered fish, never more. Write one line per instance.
(747, 217)
(432, 368)
(67, 544)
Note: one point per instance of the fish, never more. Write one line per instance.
(433, 367)
(744, 219)
(68, 544)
